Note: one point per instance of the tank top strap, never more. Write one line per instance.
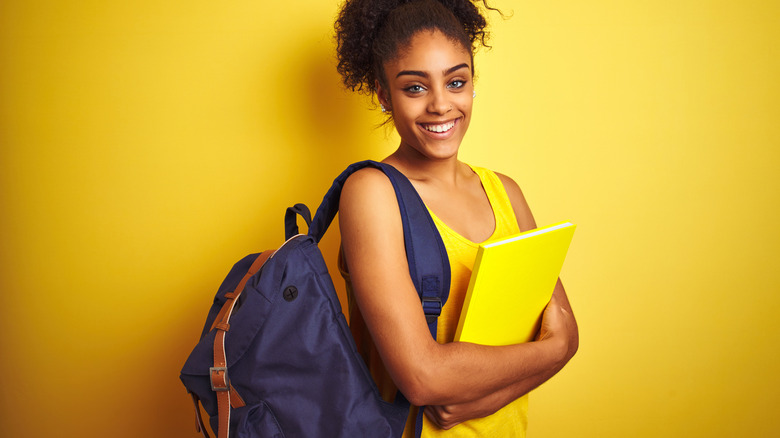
(506, 222)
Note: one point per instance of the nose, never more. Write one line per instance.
(439, 104)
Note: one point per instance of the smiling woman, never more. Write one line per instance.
(417, 59)
(430, 95)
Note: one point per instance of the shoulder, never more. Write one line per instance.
(511, 187)
(525, 219)
(367, 175)
(368, 203)
(366, 185)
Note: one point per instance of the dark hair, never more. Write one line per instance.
(371, 32)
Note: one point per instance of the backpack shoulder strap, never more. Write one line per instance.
(429, 265)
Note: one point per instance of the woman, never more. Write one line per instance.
(417, 58)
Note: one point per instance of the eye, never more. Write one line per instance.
(457, 83)
(414, 89)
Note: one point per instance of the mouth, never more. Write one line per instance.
(439, 128)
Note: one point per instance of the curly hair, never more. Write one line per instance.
(371, 32)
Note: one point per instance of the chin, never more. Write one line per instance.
(440, 151)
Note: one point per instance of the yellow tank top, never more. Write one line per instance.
(511, 420)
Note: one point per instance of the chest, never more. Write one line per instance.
(466, 210)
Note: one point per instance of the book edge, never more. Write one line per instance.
(529, 233)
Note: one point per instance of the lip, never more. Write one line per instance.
(443, 134)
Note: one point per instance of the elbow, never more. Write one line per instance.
(417, 396)
(574, 347)
(574, 343)
(419, 391)
(421, 385)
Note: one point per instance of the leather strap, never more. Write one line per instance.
(236, 401)
(199, 426)
(220, 382)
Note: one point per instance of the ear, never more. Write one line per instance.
(381, 95)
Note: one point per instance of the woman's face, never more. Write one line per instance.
(430, 93)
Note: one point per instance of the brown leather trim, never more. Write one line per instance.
(235, 399)
(219, 370)
(199, 426)
(233, 296)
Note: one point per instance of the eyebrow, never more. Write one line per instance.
(425, 75)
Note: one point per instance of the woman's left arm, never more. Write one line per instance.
(559, 307)
(525, 220)
(451, 415)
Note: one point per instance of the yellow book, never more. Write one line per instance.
(512, 281)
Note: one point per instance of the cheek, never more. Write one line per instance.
(466, 102)
(408, 111)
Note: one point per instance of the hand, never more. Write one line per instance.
(555, 332)
(447, 417)
(443, 416)
(555, 321)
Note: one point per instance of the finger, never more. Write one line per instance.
(434, 414)
(431, 414)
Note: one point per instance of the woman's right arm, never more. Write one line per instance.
(426, 372)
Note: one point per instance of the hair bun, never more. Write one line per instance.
(364, 42)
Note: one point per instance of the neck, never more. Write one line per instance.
(418, 167)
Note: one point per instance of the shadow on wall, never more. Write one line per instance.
(339, 127)
(331, 128)
(339, 122)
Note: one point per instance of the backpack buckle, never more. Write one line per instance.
(219, 379)
(432, 308)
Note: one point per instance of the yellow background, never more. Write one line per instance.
(146, 146)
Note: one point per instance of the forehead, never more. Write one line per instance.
(429, 50)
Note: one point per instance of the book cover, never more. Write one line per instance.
(512, 281)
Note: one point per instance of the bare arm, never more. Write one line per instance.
(525, 221)
(426, 372)
(447, 416)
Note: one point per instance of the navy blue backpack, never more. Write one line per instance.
(276, 357)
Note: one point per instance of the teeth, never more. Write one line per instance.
(439, 128)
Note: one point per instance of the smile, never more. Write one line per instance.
(444, 127)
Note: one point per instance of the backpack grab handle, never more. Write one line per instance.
(291, 222)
